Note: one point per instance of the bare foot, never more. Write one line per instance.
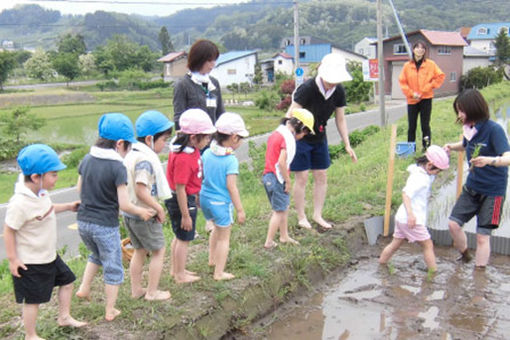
(289, 240)
(81, 295)
(322, 223)
(186, 278)
(111, 315)
(188, 272)
(304, 224)
(270, 245)
(224, 276)
(159, 295)
(70, 321)
(138, 293)
(211, 264)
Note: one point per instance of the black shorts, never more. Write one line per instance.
(487, 209)
(175, 217)
(36, 283)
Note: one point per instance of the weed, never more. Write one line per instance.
(391, 268)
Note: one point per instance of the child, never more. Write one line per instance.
(102, 185)
(184, 174)
(281, 148)
(30, 236)
(411, 217)
(485, 189)
(147, 183)
(219, 190)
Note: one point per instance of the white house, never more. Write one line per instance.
(235, 67)
(474, 57)
(283, 63)
(482, 36)
(366, 47)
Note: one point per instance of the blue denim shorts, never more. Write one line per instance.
(219, 212)
(104, 245)
(279, 199)
(311, 156)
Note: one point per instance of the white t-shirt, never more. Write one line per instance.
(418, 189)
(34, 220)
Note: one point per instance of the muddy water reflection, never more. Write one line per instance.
(370, 303)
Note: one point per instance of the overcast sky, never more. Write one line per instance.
(142, 7)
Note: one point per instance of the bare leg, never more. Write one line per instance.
(88, 275)
(209, 226)
(284, 228)
(428, 254)
(136, 270)
(458, 236)
(274, 223)
(111, 292)
(390, 249)
(483, 250)
(213, 241)
(155, 268)
(301, 178)
(319, 196)
(221, 253)
(64, 307)
(181, 254)
(172, 257)
(30, 320)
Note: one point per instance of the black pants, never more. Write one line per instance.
(423, 108)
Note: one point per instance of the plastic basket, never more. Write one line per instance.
(405, 149)
(127, 249)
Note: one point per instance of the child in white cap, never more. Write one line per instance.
(30, 236)
(411, 217)
(219, 194)
(184, 175)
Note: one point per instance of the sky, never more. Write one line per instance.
(142, 7)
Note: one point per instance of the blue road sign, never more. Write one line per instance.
(299, 72)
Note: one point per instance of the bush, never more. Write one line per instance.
(480, 77)
(356, 90)
(74, 158)
(147, 85)
(109, 84)
(9, 148)
(267, 100)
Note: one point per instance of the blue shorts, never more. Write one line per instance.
(279, 199)
(314, 156)
(104, 244)
(220, 212)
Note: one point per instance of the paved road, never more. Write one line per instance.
(69, 237)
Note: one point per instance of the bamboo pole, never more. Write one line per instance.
(389, 183)
(460, 170)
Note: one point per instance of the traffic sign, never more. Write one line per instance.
(299, 72)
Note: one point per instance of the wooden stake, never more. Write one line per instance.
(389, 183)
(460, 170)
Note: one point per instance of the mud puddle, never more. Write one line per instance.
(369, 301)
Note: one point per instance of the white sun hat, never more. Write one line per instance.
(333, 69)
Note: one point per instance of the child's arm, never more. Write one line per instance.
(144, 195)
(10, 251)
(182, 200)
(60, 207)
(78, 184)
(236, 199)
(454, 146)
(411, 219)
(282, 166)
(126, 205)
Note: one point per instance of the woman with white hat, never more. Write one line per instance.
(322, 96)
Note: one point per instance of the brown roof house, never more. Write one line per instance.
(175, 65)
(444, 48)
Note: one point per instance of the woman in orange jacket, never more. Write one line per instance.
(419, 77)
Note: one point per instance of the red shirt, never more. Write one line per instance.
(275, 144)
(185, 168)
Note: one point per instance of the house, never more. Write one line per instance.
(175, 65)
(278, 63)
(445, 48)
(474, 57)
(235, 67)
(366, 47)
(483, 36)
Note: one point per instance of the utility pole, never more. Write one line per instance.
(384, 119)
(296, 36)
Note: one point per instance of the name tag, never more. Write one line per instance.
(210, 101)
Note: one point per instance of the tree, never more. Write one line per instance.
(7, 64)
(39, 66)
(164, 40)
(19, 122)
(72, 44)
(257, 79)
(87, 63)
(502, 44)
(66, 64)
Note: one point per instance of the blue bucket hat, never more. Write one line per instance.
(39, 159)
(115, 126)
(152, 122)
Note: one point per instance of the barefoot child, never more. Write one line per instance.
(147, 183)
(219, 190)
(411, 217)
(184, 174)
(281, 148)
(30, 236)
(103, 190)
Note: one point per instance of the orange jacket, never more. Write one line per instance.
(422, 81)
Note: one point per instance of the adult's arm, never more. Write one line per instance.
(220, 108)
(341, 125)
(436, 80)
(404, 82)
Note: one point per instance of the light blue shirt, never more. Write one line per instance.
(216, 168)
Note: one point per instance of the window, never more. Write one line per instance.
(444, 50)
(302, 54)
(280, 62)
(399, 49)
(453, 76)
(483, 31)
(302, 41)
(232, 71)
(287, 42)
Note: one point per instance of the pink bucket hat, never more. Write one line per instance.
(196, 121)
(231, 124)
(438, 156)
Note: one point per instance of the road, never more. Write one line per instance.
(68, 236)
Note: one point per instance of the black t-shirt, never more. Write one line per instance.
(99, 181)
(309, 97)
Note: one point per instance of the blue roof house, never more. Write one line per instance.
(235, 67)
(482, 36)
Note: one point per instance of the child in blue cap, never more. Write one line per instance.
(103, 190)
(146, 184)
(30, 236)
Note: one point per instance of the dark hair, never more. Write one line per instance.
(201, 52)
(422, 160)
(183, 140)
(472, 103)
(156, 136)
(296, 124)
(220, 137)
(104, 143)
(422, 43)
(28, 179)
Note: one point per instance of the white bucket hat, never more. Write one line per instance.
(332, 69)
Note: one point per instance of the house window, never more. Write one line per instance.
(302, 54)
(483, 31)
(444, 50)
(280, 62)
(232, 71)
(453, 76)
(303, 42)
(399, 49)
(287, 42)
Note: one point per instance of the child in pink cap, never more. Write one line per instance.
(411, 217)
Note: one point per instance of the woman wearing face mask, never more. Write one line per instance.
(419, 77)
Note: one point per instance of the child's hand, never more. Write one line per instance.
(186, 223)
(241, 216)
(161, 216)
(146, 213)
(14, 265)
(411, 221)
(73, 206)
(287, 187)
